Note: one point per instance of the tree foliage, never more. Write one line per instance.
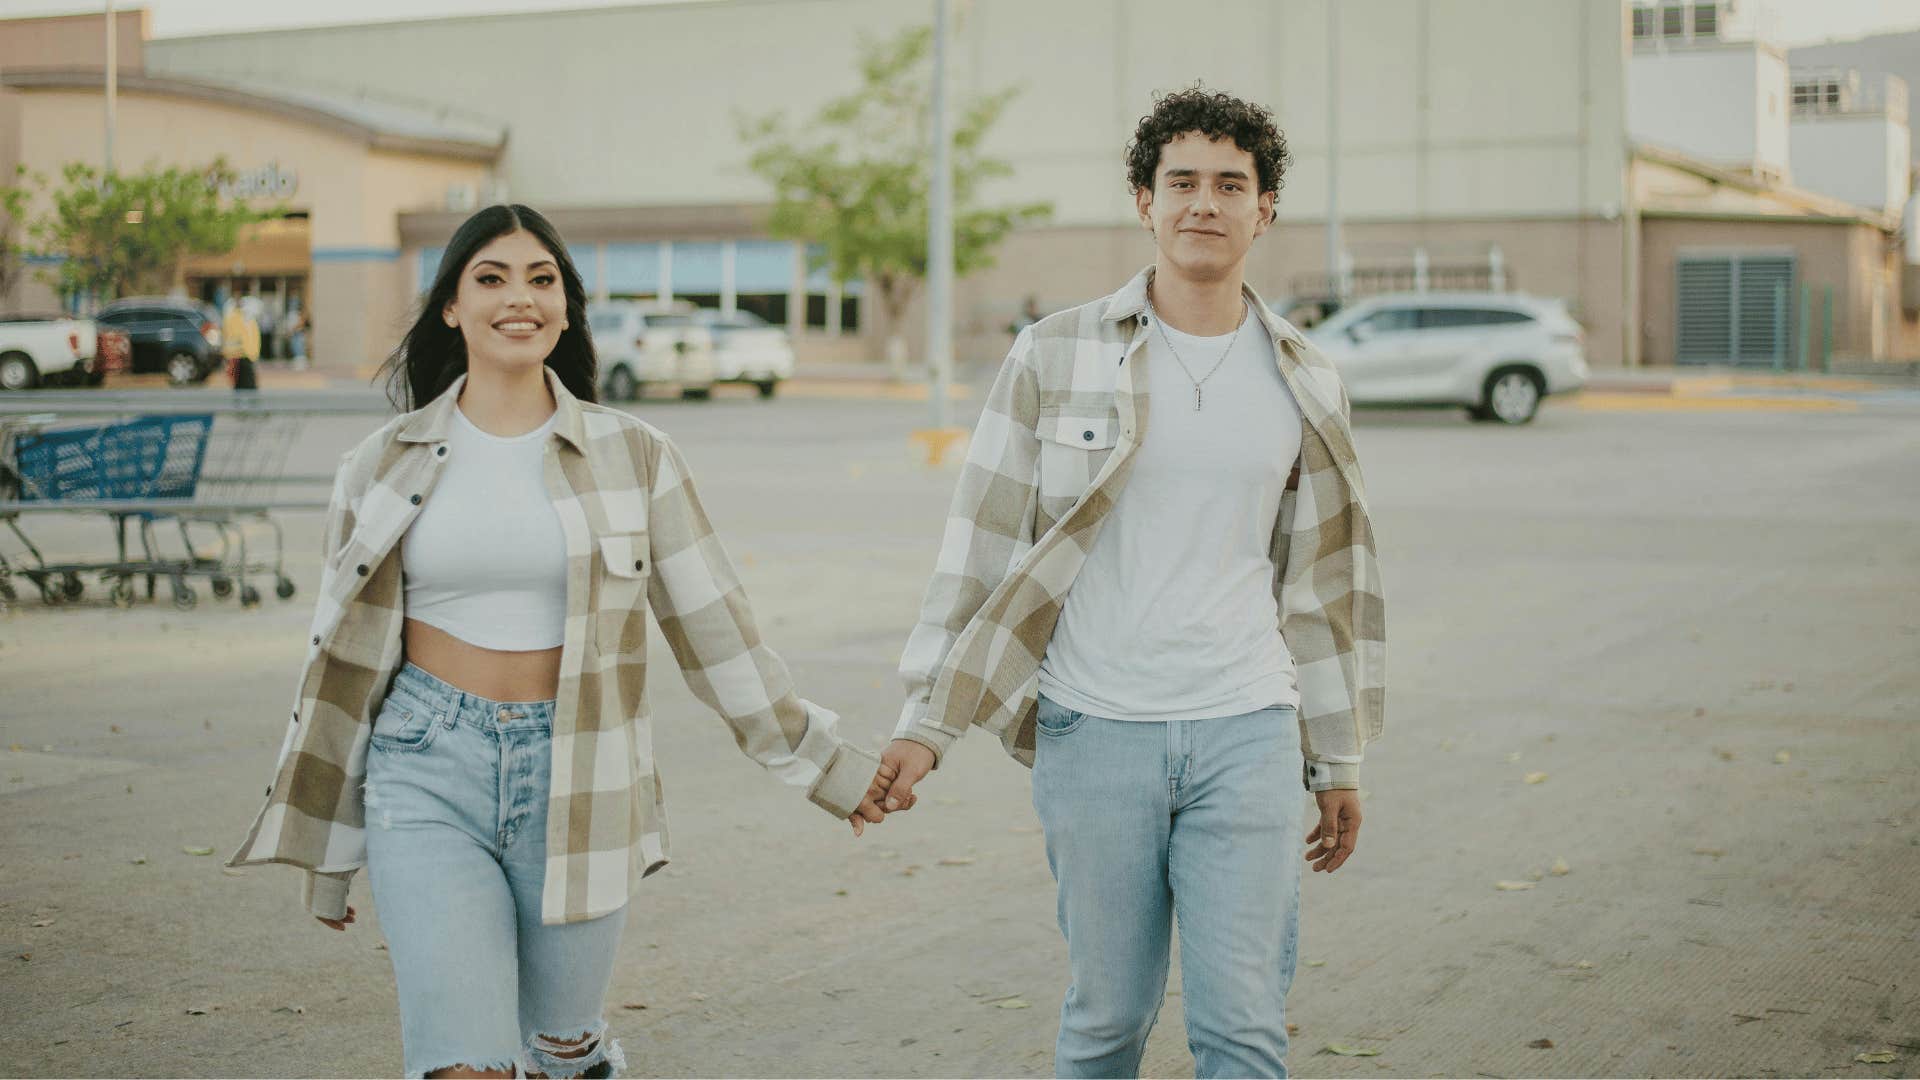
(855, 180)
(119, 234)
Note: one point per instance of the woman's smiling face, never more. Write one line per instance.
(510, 306)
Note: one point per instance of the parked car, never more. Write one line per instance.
(1306, 310)
(178, 337)
(40, 350)
(640, 344)
(1496, 354)
(748, 350)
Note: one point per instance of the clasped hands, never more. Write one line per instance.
(903, 764)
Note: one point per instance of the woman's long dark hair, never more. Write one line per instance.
(433, 354)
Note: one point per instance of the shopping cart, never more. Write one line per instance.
(140, 471)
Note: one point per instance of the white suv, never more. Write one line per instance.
(748, 350)
(640, 343)
(1497, 354)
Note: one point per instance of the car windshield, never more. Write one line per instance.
(669, 320)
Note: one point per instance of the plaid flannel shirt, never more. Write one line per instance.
(1049, 459)
(636, 539)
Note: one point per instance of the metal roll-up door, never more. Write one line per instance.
(1735, 309)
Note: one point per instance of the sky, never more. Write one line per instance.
(1800, 22)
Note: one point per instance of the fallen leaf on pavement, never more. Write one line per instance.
(1293, 1029)
(1535, 777)
(1316, 963)
(1541, 1044)
(1012, 1003)
(1725, 755)
(140, 860)
(1782, 758)
(14, 748)
(1351, 1051)
(1560, 868)
(43, 922)
(197, 850)
(115, 728)
(1584, 965)
(195, 1010)
(633, 1005)
(1699, 710)
(296, 1010)
(958, 860)
(839, 892)
(697, 996)
(1513, 757)
(1512, 886)
(1879, 1057)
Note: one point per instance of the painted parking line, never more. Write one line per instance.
(1605, 402)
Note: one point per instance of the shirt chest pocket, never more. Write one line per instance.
(1074, 447)
(620, 593)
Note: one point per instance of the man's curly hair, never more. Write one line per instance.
(1217, 116)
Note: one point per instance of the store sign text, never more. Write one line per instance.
(266, 182)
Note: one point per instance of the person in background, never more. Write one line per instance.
(296, 333)
(240, 344)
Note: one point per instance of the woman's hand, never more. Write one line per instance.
(338, 924)
(869, 810)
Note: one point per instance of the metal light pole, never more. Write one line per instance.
(940, 228)
(1334, 273)
(113, 81)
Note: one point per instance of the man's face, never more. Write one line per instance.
(1206, 206)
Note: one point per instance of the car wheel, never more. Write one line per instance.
(697, 393)
(17, 372)
(767, 387)
(1511, 396)
(622, 386)
(183, 369)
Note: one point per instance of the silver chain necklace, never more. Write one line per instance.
(1160, 324)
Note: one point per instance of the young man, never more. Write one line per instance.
(1169, 621)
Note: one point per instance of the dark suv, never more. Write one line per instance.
(178, 337)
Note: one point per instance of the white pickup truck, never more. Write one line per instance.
(39, 350)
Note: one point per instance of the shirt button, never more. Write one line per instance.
(316, 639)
(441, 452)
(1087, 435)
(361, 569)
(415, 500)
(640, 564)
(269, 790)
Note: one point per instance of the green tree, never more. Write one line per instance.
(855, 180)
(119, 234)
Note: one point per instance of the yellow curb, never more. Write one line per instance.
(1660, 403)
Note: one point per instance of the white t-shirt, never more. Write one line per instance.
(1173, 616)
(486, 560)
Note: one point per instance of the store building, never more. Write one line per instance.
(344, 169)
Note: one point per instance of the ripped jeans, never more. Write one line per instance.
(456, 854)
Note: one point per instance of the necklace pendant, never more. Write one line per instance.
(1196, 399)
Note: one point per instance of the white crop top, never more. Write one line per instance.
(486, 560)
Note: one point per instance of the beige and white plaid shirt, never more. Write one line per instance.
(1049, 459)
(637, 539)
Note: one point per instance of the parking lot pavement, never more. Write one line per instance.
(1671, 653)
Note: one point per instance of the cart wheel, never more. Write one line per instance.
(50, 593)
(71, 587)
(8, 594)
(249, 596)
(222, 587)
(284, 588)
(121, 593)
(183, 595)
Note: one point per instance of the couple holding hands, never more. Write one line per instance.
(1181, 635)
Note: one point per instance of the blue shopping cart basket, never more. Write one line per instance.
(148, 457)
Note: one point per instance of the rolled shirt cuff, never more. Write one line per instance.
(325, 894)
(916, 727)
(1331, 775)
(844, 782)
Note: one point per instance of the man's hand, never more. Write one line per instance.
(337, 924)
(911, 761)
(1331, 841)
(869, 809)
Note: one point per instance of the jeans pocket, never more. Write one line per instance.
(1057, 720)
(405, 724)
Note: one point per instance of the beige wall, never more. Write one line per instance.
(1847, 257)
(74, 41)
(1575, 260)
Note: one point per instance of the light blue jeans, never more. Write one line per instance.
(1195, 820)
(456, 854)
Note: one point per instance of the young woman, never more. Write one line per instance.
(472, 723)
